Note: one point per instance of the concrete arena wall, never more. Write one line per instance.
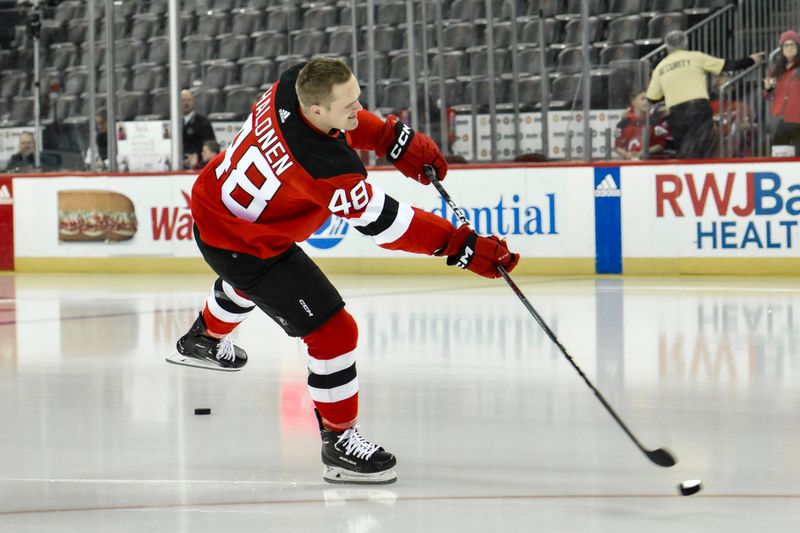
(659, 218)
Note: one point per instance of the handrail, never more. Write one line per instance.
(751, 107)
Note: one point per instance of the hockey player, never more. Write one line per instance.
(290, 167)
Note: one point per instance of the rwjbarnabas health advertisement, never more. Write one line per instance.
(725, 210)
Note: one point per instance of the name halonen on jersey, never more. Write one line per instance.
(265, 133)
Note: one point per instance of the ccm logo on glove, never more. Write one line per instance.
(466, 258)
(404, 135)
(409, 151)
(481, 255)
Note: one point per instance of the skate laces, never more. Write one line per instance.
(225, 350)
(356, 445)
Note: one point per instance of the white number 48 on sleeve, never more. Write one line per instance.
(341, 202)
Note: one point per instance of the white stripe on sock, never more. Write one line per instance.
(336, 394)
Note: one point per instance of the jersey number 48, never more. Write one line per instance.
(250, 186)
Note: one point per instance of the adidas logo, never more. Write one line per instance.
(283, 114)
(608, 187)
(5, 196)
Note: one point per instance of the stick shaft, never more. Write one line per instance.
(431, 174)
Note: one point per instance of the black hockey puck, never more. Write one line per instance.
(202, 411)
(690, 486)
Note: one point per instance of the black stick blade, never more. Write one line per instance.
(661, 457)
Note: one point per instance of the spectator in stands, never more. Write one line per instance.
(23, 160)
(680, 79)
(101, 141)
(196, 129)
(209, 152)
(783, 86)
(629, 133)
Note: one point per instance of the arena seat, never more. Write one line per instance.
(621, 8)
(270, 44)
(255, 71)
(346, 13)
(146, 25)
(530, 31)
(148, 76)
(308, 42)
(121, 81)
(217, 73)
(62, 55)
(387, 38)
(340, 40)
(479, 60)
(624, 29)
(197, 48)
(616, 52)
(455, 64)
(213, 23)
(232, 46)
(245, 21)
(75, 80)
(158, 50)
(398, 69)
(453, 91)
(207, 99)
(319, 17)
(390, 13)
(130, 104)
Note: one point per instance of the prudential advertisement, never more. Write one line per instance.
(541, 212)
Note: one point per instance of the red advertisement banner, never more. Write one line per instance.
(6, 224)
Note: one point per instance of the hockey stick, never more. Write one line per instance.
(660, 456)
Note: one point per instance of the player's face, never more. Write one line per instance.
(342, 113)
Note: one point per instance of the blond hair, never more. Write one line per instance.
(316, 79)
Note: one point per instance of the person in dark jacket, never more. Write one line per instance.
(101, 141)
(196, 128)
(783, 85)
(23, 160)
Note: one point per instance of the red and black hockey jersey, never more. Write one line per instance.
(281, 178)
(629, 133)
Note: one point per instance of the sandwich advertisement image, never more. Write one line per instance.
(99, 217)
(95, 216)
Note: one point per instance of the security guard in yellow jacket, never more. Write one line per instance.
(680, 80)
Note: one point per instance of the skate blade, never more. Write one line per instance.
(332, 474)
(180, 359)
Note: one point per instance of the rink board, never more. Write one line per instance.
(734, 217)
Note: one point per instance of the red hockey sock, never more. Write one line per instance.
(332, 380)
(225, 309)
(214, 326)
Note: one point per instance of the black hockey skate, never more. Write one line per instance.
(199, 350)
(347, 457)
